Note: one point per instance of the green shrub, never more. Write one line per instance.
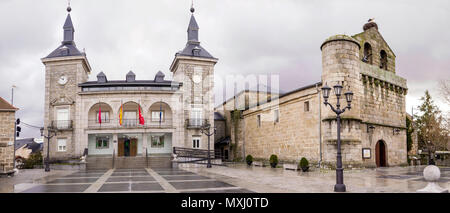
(304, 163)
(34, 159)
(249, 159)
(273, 160)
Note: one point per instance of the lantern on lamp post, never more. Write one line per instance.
(340, 186)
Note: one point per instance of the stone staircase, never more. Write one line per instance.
(106, 162)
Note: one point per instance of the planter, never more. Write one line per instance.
(273, 165)
(305, 169)
(249, 163)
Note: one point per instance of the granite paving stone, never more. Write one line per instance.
(199, 184)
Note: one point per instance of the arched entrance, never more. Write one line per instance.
(380, 154)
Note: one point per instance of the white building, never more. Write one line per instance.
(86, 114)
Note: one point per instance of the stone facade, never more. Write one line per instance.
(64, 96)
(7, 131)
(362, 63)
(73, 104)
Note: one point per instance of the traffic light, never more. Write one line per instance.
(18, 128)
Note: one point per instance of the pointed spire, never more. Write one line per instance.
(68, 47)
(193, 47)
(193, 27)
(69, 31)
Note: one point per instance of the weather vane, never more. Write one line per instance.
(192, 7)
(68, 6)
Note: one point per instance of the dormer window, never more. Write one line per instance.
(383, 60)
(367, 53)
(131, 77)
(196, 51)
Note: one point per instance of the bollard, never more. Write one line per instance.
(432, 174)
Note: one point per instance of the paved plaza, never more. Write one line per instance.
(269, 180)
(235, 178)
(132, 181)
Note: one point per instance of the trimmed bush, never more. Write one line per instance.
(273, 161)
(249, 160)
(34, 159)
(304, 164)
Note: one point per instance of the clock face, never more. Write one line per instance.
(197, 79)
(63, 80)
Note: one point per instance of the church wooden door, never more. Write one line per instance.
(380, 154)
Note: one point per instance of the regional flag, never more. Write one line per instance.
(141, 118)
(100, 113)
(121, 114)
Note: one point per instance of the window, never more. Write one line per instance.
(62, 118)
(157, 141)
(196, 116)
(130, 118)
(102, 143)
(156, 115)
(383, 60)
(367, 53)
(258, 120)
(62, 144)
(196, 142)
(276, 115)
(105, 117)
(306, 107)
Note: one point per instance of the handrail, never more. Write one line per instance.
(146, 156)
(113, 158)
(196, 153)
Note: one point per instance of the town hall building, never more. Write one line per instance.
(129, 117)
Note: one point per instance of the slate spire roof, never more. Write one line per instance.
(193, 47)
(68, 47)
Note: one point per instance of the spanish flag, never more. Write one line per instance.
(121, 114)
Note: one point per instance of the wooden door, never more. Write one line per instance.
(380, 154)
(121, 147)
(133, 147)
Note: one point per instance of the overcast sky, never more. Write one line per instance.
(249, 37)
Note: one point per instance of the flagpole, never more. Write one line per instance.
(100, 113)
(160, 112)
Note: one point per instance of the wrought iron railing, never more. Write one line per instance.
(130, 123)
(195, 123)
(62, 124)
(196, 153)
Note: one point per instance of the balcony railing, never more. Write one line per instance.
(62, 125)
(195, 123)
(129, 123)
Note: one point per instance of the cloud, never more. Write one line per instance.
(249, 37)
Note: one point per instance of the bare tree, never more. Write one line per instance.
(444, 88)
(432, 127)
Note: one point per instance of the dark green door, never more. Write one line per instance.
(127, 148)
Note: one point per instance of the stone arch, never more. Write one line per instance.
(166, 112)
(381, 154)
(107, 112)
(383, 60)
(367, 58)
(130, 113)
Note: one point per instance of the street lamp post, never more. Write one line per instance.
(340, 186)
(50, 133)
(207, 131)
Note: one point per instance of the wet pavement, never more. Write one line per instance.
(133, 181)
(236, 178)
(269, 180)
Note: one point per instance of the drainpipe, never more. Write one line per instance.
(320, 125)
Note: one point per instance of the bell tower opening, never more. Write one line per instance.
(367, 58)
(383, 60)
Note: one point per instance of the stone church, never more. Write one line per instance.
(130, 117)
(297, 124)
